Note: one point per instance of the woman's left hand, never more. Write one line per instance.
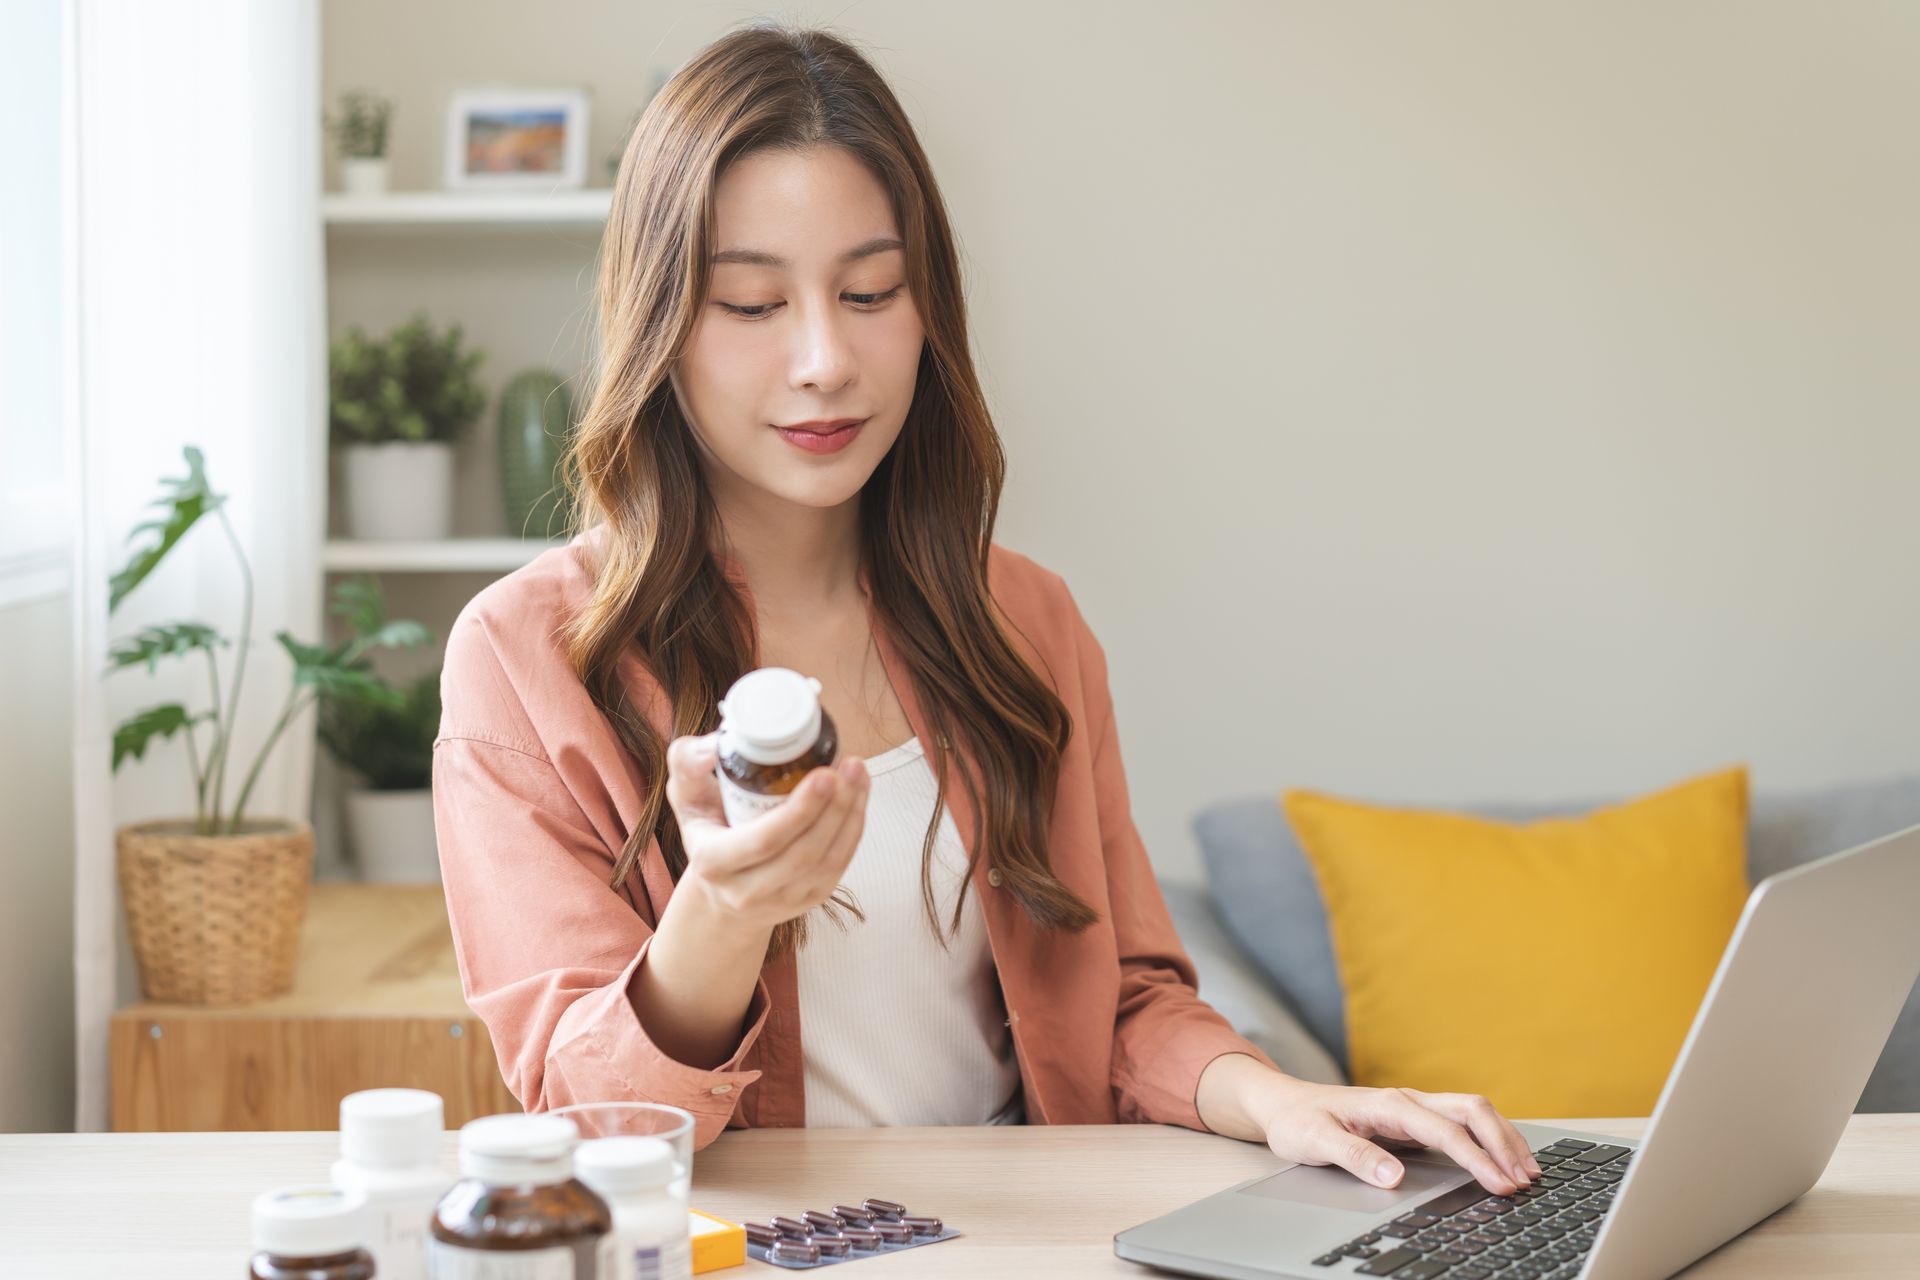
(1332, 1124)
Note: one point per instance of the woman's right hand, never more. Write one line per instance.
(783, 863)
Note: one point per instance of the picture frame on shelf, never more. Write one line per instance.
(516, 139)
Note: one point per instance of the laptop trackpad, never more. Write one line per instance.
(1331, 1187)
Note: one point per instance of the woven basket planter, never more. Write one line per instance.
(215, 919)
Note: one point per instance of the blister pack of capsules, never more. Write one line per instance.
(851, 1232)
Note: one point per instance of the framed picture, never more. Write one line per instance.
(517, 139)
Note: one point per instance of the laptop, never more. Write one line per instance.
(1798, 1011)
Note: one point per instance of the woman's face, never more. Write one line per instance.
(807, 322)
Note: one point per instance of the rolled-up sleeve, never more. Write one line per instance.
(1165, 1035)
(547, 951)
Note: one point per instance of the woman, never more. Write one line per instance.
(788, 462)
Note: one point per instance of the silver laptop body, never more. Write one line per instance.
(1801, 1006)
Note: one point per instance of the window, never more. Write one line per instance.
(35, 531)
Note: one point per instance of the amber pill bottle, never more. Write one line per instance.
(773, 730)
(518, 1213)
(310, 1233)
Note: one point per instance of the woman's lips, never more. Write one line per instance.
(821, 441)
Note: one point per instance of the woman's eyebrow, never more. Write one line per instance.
(756, 258)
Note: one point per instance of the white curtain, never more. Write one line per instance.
(200, 320)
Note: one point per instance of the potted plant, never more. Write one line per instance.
(388, 742)
(360, 136)
(396, 406)
(214, 902)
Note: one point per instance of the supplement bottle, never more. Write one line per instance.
(310, 1233)
(773, 730)
(634, 1175)
(389, 1149)
(518, 1213)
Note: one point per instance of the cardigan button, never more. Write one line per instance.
(722, 1088)
(994, 877)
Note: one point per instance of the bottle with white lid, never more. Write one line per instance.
(773, 732)
(635, 1176)
(310, 1233)
(390, 1149)
(518, 1213)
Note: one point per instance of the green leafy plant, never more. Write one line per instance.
(388, 741)
(340, 672)
(415, 385)
(360, 130)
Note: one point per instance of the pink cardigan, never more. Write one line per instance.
(534, 796)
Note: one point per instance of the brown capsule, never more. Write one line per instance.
(893, 1232)
(832, 1246)
(822, 1221)
(922, 1226)
(851, 1216)
(761, 1233)
(791, 1228)
(885, 1208)
(794, 1251)
(862, 1239)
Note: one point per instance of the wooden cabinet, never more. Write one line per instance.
(376, 1002)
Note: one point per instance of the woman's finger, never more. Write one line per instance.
(692, 790)
(1398, 1113)
(1325, 1141)
(799, 871)
(1491, 1129)
(766, 838)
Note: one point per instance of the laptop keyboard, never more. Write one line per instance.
(1540, 1233)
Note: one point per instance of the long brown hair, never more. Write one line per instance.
(926, 513)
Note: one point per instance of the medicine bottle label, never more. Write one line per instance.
(450, 1262)
(672, 1260)
(742, 806)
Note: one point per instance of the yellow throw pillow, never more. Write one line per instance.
(1553, 966)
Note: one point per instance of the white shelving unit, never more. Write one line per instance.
(472, 258)
(445, 210)
(454, 555)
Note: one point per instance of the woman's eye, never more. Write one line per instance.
(759, 311)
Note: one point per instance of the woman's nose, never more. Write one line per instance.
(824, 359)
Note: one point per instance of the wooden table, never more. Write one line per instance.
(1032, 1201)
(376, 1002)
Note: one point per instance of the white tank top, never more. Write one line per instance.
(894, 1028)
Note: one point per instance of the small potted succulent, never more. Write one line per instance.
(396, 406)
(388, 743)
(360, 136)
(214, 902)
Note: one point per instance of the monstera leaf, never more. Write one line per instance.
(184, 501)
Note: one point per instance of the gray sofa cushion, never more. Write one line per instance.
(1264, 892)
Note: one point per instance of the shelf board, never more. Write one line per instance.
(454, 555)
(425, 210)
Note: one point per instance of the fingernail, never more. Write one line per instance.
(1385, 1172)
(852, 768)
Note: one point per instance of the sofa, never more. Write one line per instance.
(1258, 937)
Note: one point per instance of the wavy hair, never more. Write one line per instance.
(926, 513)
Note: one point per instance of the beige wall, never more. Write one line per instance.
(1434, 402)
(36, 868)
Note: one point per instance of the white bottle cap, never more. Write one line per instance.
(615, 1166)
(771, 715)
(309, 1221)
(391, 1128)
(515, 1150)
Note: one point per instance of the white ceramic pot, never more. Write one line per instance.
(400, 491)
(392, 836)
(364, 175)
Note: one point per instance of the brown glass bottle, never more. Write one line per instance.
(355, 1264)
(773, 732)
(517, 1195)
(310, 1233)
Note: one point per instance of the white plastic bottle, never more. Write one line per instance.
(389, 1149)
(635, 1177)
